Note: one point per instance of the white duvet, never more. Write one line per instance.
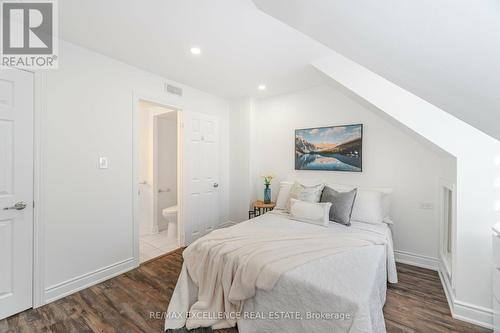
(341, 292)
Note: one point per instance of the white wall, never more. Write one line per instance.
(167, 166)
(391, 158)
(87, 212)
(240, 166)
(478, 174)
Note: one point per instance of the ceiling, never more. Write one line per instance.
(241, 46)
(446, 52)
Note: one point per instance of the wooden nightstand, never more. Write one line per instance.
(259, 208)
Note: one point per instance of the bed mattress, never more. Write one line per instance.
(344, 292)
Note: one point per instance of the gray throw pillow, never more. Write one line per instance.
(342, 203)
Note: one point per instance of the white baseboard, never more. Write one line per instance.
(78, 283)
(464, 311)
(416, 260)
(473, 314)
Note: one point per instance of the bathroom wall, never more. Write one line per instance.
(166, 134)
(151, 117)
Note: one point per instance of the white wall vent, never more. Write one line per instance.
(173, 89)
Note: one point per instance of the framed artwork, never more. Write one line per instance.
(334, 148)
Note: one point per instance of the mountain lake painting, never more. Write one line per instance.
(336, 148)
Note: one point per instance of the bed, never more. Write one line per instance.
(343, 292)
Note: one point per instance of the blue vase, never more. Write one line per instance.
(267, 194)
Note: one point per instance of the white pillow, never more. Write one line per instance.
(306, 193)
(368, 207)
(310, 212)
(283, 195)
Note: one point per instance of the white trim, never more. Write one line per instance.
(135, 177)
(473, 314)
(449, 265)
(38, 186)
(416, 260)
(86, 280)
(448, 290)
(464, 311)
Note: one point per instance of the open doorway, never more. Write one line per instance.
(158, 148)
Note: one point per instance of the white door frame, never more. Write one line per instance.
(39, 109)
(160, 100)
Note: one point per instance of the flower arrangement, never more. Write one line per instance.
(267, 190)
(268, 179)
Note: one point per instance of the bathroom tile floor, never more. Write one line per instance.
(155, 245)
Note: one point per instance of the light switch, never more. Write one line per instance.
(103, 162)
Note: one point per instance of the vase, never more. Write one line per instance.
(267, 194)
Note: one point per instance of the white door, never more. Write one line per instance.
(16, 191)
(201, 203)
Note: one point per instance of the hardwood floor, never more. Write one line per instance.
(132, 301)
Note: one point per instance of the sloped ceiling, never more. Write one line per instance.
(446, 52)
(241, 46)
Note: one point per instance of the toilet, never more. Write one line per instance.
(170, 214)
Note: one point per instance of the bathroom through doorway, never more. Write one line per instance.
(158, 133)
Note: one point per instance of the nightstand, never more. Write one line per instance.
(259, 208)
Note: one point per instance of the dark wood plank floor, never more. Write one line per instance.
(129, 303)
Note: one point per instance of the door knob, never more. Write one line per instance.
(17, 206)
(216, 185)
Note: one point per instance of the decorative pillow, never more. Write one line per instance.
(306, 193)
(283, 195)
(359, 204)
(310, 212)
(342, 204)
(368, 207)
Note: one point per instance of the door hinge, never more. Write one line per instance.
(33, 204)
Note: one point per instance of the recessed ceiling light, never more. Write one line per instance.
(195, 50)
(262, 87)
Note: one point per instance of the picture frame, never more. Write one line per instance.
(330, 148)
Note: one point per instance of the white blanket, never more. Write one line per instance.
(224, 285)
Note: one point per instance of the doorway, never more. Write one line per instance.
(158, 185)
